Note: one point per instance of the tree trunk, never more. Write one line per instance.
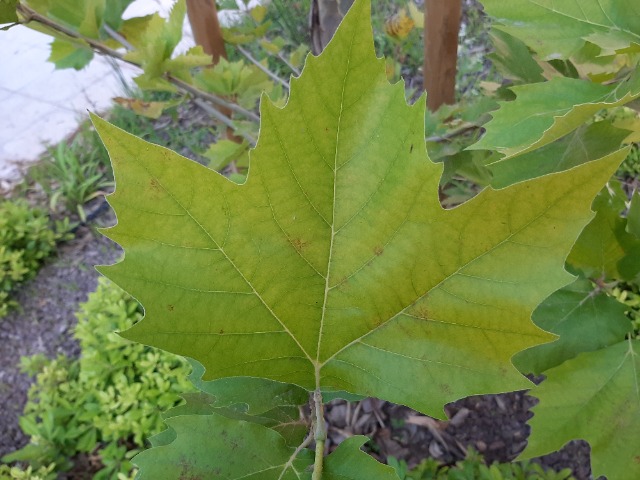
(441, 27)
(203, 17)
(324, 19)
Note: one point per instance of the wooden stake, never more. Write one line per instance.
(203, 17)
(441, 27)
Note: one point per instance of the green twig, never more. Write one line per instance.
(319, 435)
(262, 67)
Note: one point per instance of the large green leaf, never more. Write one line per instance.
(595, 397)
(558, 29)
(214, 446)
(334, 266)
(586, 319)
(544, 112)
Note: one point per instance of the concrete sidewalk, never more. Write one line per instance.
(40, 105)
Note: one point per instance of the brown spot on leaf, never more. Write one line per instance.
(221, 332)
(378, 251)
(636, 459)
(445, 388)
(154, 185)
(170, 307)
(299, 244)
(422, 312)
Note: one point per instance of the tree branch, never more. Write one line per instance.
(31, 15)
(262, 67)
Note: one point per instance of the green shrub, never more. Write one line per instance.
(107, 402)
(16, 473)
(474, 468)
(73, 174)
(26, 239)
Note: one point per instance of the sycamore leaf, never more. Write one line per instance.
(544, 112)
(587, 143)
(236, 450)
(584, 319)
(594, 397)
(334, 266)
(348, 462)
(559, 29)
(8, 11)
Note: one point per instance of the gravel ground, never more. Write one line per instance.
(44, 323)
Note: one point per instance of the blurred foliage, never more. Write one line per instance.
(105, 404)
(473, 467)
(27, 238)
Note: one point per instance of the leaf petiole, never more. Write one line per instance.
(319, 434)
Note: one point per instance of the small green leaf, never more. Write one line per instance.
(69, 55)
(223, 152)
(593, 397)
(513, 59)
(544, 112)
(585, 320)
(214, 446)
(348, 462)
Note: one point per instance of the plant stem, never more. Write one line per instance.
(262, 67)
(320, 434)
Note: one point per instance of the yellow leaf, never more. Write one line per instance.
(258, 13)
(416, 15)
(399, 25)
(146, 109)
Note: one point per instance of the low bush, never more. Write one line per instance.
(27, 238)
(99, 408)
(474, 468)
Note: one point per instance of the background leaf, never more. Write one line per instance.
(544, 112)
(592, 397)
(585, 320)
(560, 29)
(587, 143)
(213, 446)
(348, 462)
(8, 11)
